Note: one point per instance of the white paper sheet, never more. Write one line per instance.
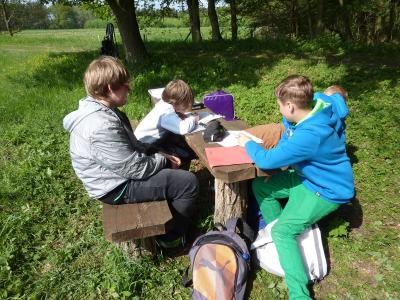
(156, 93)
(231, 137)
(198, 128)
(204, 119)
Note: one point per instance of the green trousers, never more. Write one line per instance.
(303, 209)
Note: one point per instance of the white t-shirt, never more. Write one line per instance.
(161, 119)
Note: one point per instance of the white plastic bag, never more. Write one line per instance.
(310, 245)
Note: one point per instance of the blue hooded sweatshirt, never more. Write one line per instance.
(315, 150)
(340, 110)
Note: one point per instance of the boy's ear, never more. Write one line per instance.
(109, 88)
(290, 106)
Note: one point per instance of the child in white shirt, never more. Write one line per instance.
(166, 123)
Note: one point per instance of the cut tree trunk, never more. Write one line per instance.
(230, 200)
(194, 16)
(212, 15)
(125, 13)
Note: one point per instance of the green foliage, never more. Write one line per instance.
(338, 228)
(51, 243)
(371, 21)
(66, 16)
(63, 16)
(95, 23)
(98, 8)
(24, 15)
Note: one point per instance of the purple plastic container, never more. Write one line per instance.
(220, 103)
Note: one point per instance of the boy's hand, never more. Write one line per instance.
(196, 117)
(175, 161)
(243, 139)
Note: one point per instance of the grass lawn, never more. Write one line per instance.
(51, 242)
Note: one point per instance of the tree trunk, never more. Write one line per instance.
(234, 26)
(125, 13)
(363, 27)
(346, 20)
(378, 29)
(6, 17)
(212, 15)
(230, 200)
(194, 16)
(309, 19)
(135, 249)
(392, 20)
(294, 16)
(320, 21)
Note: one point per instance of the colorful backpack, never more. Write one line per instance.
(220, 262)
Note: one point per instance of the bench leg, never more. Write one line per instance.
(130, 249)
(134, 249)
(230, 200)
(149, 245)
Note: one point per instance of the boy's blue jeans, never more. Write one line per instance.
(303, 209)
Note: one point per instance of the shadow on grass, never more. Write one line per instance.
(351, 153)
(206, 66)
(204, 218)
(211, 65)
(366, 74)
(351, 212)
(63, 71)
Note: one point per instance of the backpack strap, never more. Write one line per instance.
(186, 281)
(231, 224)
(244, 229)
(219, 227)
(110, 31)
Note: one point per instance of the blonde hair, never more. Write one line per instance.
(333, 89)
(178, 93)
(297, 89)
(102, 72)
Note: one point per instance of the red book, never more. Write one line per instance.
(227, 156)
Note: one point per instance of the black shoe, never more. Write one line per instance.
(171, 244)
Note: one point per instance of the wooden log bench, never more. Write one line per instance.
(134, 225)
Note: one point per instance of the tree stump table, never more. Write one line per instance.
(231, 186)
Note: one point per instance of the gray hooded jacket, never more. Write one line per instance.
(104, 153)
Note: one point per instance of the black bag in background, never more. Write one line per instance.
(108, 44)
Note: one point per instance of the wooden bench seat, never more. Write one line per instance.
(129, 222)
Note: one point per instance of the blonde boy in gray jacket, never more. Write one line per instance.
(113, 165)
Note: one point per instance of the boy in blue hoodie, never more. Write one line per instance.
(320, 178)
(336, 95)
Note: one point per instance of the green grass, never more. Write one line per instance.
(51, 243)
